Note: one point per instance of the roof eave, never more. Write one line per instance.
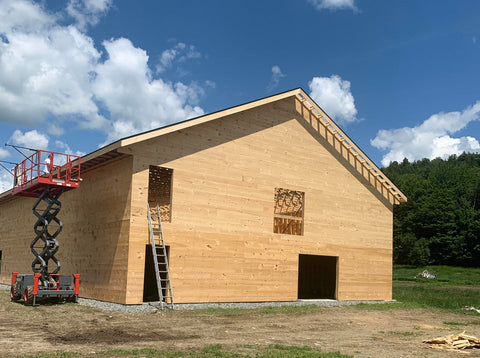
(300, 94)
(337, 133)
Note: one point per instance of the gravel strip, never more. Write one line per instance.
(117, 307)
(319, 302)
(154, 306)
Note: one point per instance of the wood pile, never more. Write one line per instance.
(455, 341)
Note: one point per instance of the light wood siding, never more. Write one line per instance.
(16, 236)
(222, 246)
(94, 240)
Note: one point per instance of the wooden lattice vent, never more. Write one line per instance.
(160, 191)
(288, 212)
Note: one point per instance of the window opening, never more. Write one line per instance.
(160, 191)
(288, 212)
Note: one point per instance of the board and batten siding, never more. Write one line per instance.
(222, 245)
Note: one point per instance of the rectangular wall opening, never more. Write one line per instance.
(150, 291)
(317, 277)
(288, 211)
(160, 191)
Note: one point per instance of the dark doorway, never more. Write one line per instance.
(150, 292)
(317, 277)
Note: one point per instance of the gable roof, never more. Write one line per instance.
(105, 153)
(305, 106)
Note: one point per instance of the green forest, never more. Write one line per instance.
(440, 222)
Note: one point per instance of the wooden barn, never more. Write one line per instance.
(266, 201)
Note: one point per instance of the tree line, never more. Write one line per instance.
(440, 222)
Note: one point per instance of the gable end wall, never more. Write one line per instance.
(222, 245)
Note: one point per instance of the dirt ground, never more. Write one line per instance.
(360, 332)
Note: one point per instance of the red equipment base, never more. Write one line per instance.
(29, 287)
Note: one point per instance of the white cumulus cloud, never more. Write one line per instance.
(6, 180)
(88, 12)
(431, 139)
(277, 75)
(24, 16)
(49, 70)
(31, 139)
(179, 53)
(65, 148)
(334, 96)
(55, 129)
(136, 100)
(44, 68)
(4, 153)
(333, 4)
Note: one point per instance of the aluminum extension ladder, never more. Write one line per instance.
(160, 258)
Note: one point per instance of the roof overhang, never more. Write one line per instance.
(304, 106)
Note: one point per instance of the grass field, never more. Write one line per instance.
(321, 332)
(446, 275)
(212, 351)
(453, 288)
(218, 351)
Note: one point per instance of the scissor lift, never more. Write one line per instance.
(45, 175)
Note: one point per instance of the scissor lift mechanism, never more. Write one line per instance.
(45, 175)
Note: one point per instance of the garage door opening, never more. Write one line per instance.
(150, 291)
(317, 277)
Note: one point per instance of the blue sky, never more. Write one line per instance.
(400, 77)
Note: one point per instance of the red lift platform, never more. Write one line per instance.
(45, 175)
(45, 169)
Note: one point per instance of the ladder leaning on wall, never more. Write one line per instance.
(160, 258)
